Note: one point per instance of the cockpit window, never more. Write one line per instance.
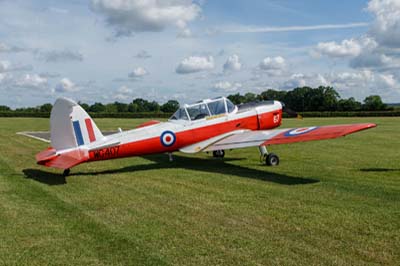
(198, 111)
(230, 106)
(180, 115)
(217, 107)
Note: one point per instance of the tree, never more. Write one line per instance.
(46, 107)
(170, 106)
(85, 106)
(133, 107)
(298, 99)
(141, 105)
(237, 98)
(4, 108)
(349, 104)
(121, 107)
(111, 108)
(374, 103)
(152, 107)
(97, 107)
(250, 97)
(272, 95)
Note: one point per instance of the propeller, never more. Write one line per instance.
(290, 112)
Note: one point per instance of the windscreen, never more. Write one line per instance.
(179, 115)
(217, 107)
(198, 111)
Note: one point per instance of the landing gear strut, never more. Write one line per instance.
(219, 154)
(66, 172)
(270, 159)
(170, 158)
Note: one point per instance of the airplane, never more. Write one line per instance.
(210, 125)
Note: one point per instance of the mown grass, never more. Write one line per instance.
(334, 202)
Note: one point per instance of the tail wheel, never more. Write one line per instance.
(66, 172)
(272, 159)
(219, 154)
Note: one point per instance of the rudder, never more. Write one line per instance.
(71, 126)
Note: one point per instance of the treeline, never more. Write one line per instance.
(138, 105)
(303, 99)
(321, 99)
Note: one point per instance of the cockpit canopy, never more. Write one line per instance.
(204, 108)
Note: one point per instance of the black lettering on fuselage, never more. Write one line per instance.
(105, 153)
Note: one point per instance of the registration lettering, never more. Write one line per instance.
(106, 153)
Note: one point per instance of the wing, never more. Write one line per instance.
(282, 136)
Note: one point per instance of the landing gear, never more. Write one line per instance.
(66, 172)
(270, 159)
(170, 158)
(219, 154)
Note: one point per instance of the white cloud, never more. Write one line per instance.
(252, 29)
(269, 63)
(185, 33)
(4, 66)
(124, 90)
(121, 97)
(128, 16)
(365, 82)
(226, 86)
(194, 64)
(4, 48)
(347, 48)
(301, 80)
(386, 26)
(31, 81)
(138, 72)
(66, 85)
(232, 63)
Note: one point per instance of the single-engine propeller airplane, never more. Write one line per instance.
(213, 125)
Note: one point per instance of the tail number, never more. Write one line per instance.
(105, 153)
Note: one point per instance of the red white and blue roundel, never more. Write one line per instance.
(167, 138)
(299, 131)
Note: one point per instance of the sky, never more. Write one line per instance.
(118, 50)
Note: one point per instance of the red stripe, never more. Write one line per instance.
(89, 127)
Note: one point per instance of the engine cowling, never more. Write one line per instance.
(269, 116)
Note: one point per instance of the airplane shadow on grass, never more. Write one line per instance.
(379, 170)
(211, 165)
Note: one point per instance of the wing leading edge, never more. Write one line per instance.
(284, 136)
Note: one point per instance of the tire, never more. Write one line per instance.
(272, 159)
(66, 172)
(219, 154)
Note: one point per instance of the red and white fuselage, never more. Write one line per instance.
(208, 125)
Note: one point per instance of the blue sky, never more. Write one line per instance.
(117, 50)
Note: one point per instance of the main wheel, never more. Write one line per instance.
(272, 159)
(219, 154)
(66, 172)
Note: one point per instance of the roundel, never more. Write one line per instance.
(167, 138)
(299, 131)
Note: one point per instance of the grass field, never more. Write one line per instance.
(334, 202)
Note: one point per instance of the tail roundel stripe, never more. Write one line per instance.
(90, 130)
(78, 133)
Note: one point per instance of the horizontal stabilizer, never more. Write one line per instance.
(64, 160)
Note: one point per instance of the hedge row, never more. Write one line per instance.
(166, 115)
(94, 115)
(351, 114)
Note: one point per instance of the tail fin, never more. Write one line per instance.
(71, 126)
